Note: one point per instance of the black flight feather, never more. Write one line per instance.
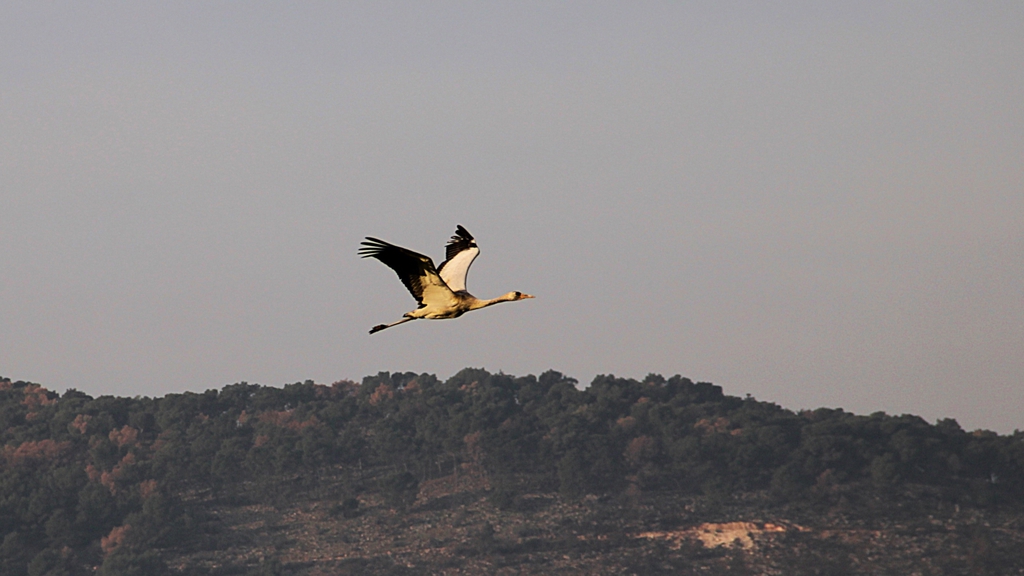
(410, 266)
(462, 240)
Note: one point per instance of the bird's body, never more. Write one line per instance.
(440, 292)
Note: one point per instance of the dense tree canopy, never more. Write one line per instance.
(107, 481)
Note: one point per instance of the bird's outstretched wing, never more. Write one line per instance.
(459, 254)
(415, 270)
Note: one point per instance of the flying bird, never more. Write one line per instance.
(440, 292)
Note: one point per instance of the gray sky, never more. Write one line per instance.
(817, 203)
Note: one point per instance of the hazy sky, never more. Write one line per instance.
(817, 203)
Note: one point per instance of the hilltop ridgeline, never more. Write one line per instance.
(118, 482)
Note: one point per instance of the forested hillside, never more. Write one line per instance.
(126, 484)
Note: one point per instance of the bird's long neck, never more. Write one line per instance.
(478, 303)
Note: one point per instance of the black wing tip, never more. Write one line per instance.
(372, 247)
(462, 236)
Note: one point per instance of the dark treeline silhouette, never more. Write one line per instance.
(111, 481)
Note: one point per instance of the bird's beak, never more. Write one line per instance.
(525, 296)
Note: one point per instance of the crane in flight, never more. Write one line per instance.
(440, 292)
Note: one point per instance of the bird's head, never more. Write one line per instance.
(513, 296)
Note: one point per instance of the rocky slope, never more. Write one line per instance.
(454, 527)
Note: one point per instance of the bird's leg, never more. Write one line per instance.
(380, 327)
